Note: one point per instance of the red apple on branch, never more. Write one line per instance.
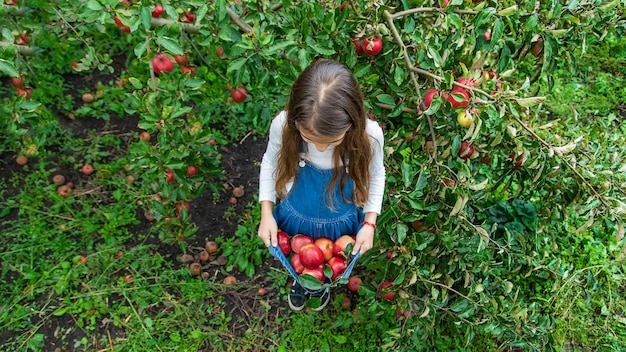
(372, 47)
(466, 150)
(358, 47)
(459, 97)
(386, 291)
(17, 82)
(162, 63)
(239, 94)
(181, 60)
(158, 10)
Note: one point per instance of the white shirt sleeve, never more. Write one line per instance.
(267, 177)
(377, 168)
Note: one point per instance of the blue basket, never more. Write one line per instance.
(278, 254)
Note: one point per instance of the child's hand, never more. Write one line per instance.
(364, 240)
(268, 230)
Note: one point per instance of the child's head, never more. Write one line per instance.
(326, 101)
(326, 108)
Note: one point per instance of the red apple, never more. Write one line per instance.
(192, 170)
(311, 256)
(358, 46)
(169, 175)
(220, 53)
(17, 82)
(317, 272)
(487, 35)
(189, 17)
(87, 169)
(339, 249)
(537, 47)
(337, 265)
(158, 11)
(459, 97)
(296, 263)
(26, 92)
(386, 291)
(191, 70)
(354, 283)
(518, 160)
(239, 94)
(162, 63)
(428, 98)
(466, 150)
(300, 240)
(283, 242)
(326, 245)
(372, 47)
(181, 60)
(179, 207)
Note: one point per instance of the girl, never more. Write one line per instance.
(324, 160)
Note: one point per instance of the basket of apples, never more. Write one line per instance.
(315, 263)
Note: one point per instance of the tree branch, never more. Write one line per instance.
(570, 166)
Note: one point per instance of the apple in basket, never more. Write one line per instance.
(284, 242)
(311, 256)
(298, 241)
(339, 248)
(338, 266)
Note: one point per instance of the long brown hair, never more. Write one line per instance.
(326, 100)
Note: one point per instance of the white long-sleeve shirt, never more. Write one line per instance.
(322, 160)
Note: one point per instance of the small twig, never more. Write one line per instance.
(204, 60)
(429, 9)
(449, 288)
(407, 59)
(390, 107)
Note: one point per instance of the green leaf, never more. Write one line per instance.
(310, 282)
(532, 101)
(170, 45)
(236, 64)
(8, 68)
(483, 16)
(140, 48)
(94, 5)
(280, 45)
(319, 49)
(386, 99)
(459, 305)
(433, 54)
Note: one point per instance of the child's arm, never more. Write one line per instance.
(365, 237)
(268, 228)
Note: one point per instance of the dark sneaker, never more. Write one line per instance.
(324, 298)
(297, 296)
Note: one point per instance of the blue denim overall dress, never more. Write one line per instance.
(306, 209)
